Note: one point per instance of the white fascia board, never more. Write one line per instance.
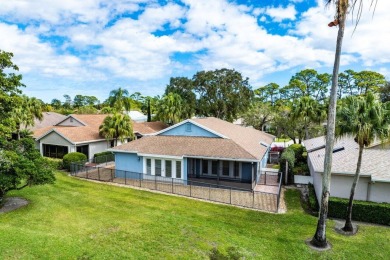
(121, 151)
(71, 116)
(91, 141)
(160, 156)
(221, 158)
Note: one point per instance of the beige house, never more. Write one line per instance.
(374, 182)
(80, 133)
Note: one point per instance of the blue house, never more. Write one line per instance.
(200, 149)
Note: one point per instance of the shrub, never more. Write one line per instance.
(54, 163)
(73, 157)
(298, 151)
(288, 156)
(103, 157)
(378, 213)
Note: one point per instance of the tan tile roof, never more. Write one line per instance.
(186, 146)
(375, 162)
(240, 142)
(148, 127)
(90, 132)
(49, 119)
(246, 137)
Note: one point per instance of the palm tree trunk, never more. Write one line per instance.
(348, 220)
(319, 239)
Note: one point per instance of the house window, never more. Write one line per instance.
(178, 169)
(149, 166)
(205, 166)
(188, 127)
(83, 149)
(236, 170)
(157, 167)
(214, 167)
(54, 151)
(112, 143)
(168, 168)
(225, 168)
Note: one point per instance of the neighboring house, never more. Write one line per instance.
(49, 119)
(80, 133)
(137, 116)
(374, 182)
(199, 148)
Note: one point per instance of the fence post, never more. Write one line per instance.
(99, 173)
(140, 182)
(125, 178)
(253, 199)
(112, 177)
(172, 185)
(210, 192)
(106, 159)
(155, 182)
(230, 195)
(265, 178)
(86, 172)
(190, 189)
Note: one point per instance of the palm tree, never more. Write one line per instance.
(120, 100)
(26, 112)
(170, 108)
(309, 110)
(365, 118)
(319, 239)
(117, 126)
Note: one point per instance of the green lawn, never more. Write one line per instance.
(76, 219)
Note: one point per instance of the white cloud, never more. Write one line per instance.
(282, 13)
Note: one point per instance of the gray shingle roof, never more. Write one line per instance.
(375, 162)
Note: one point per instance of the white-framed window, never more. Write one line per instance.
(165, 167)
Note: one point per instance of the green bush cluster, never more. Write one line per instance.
(378, 213)
(54, 163)
(73, 157)
(365, 211)
(103, 157)
(298, 151)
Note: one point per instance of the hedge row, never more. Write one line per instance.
(73, 157)
(55, 164)
(365, 211)
(103, 157)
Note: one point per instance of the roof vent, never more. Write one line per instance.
(264, 144)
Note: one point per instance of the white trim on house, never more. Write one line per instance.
(221, 158)
(163, 166)
(93, 141)
(189, 121)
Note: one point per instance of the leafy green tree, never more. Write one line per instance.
(369, 81)
(56, 103)
(222, 93)
(88, 110)
(185, 89)
(346, 84)
(68, 102)
(285, 123)
(365, 118)
(385, 92)
(21, 165)
(268, 93)
(10, 84)
(258, 115)
(117, 126)
(308, 82)
(170, 109)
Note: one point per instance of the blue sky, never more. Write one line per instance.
(93, 46)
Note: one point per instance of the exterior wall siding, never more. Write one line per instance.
(379, 192)
(55, 139)
(97, 147)
(195, 130)
(127, 162)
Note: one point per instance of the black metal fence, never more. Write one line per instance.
(201, 190)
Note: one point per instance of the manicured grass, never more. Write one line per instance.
(76, 219)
